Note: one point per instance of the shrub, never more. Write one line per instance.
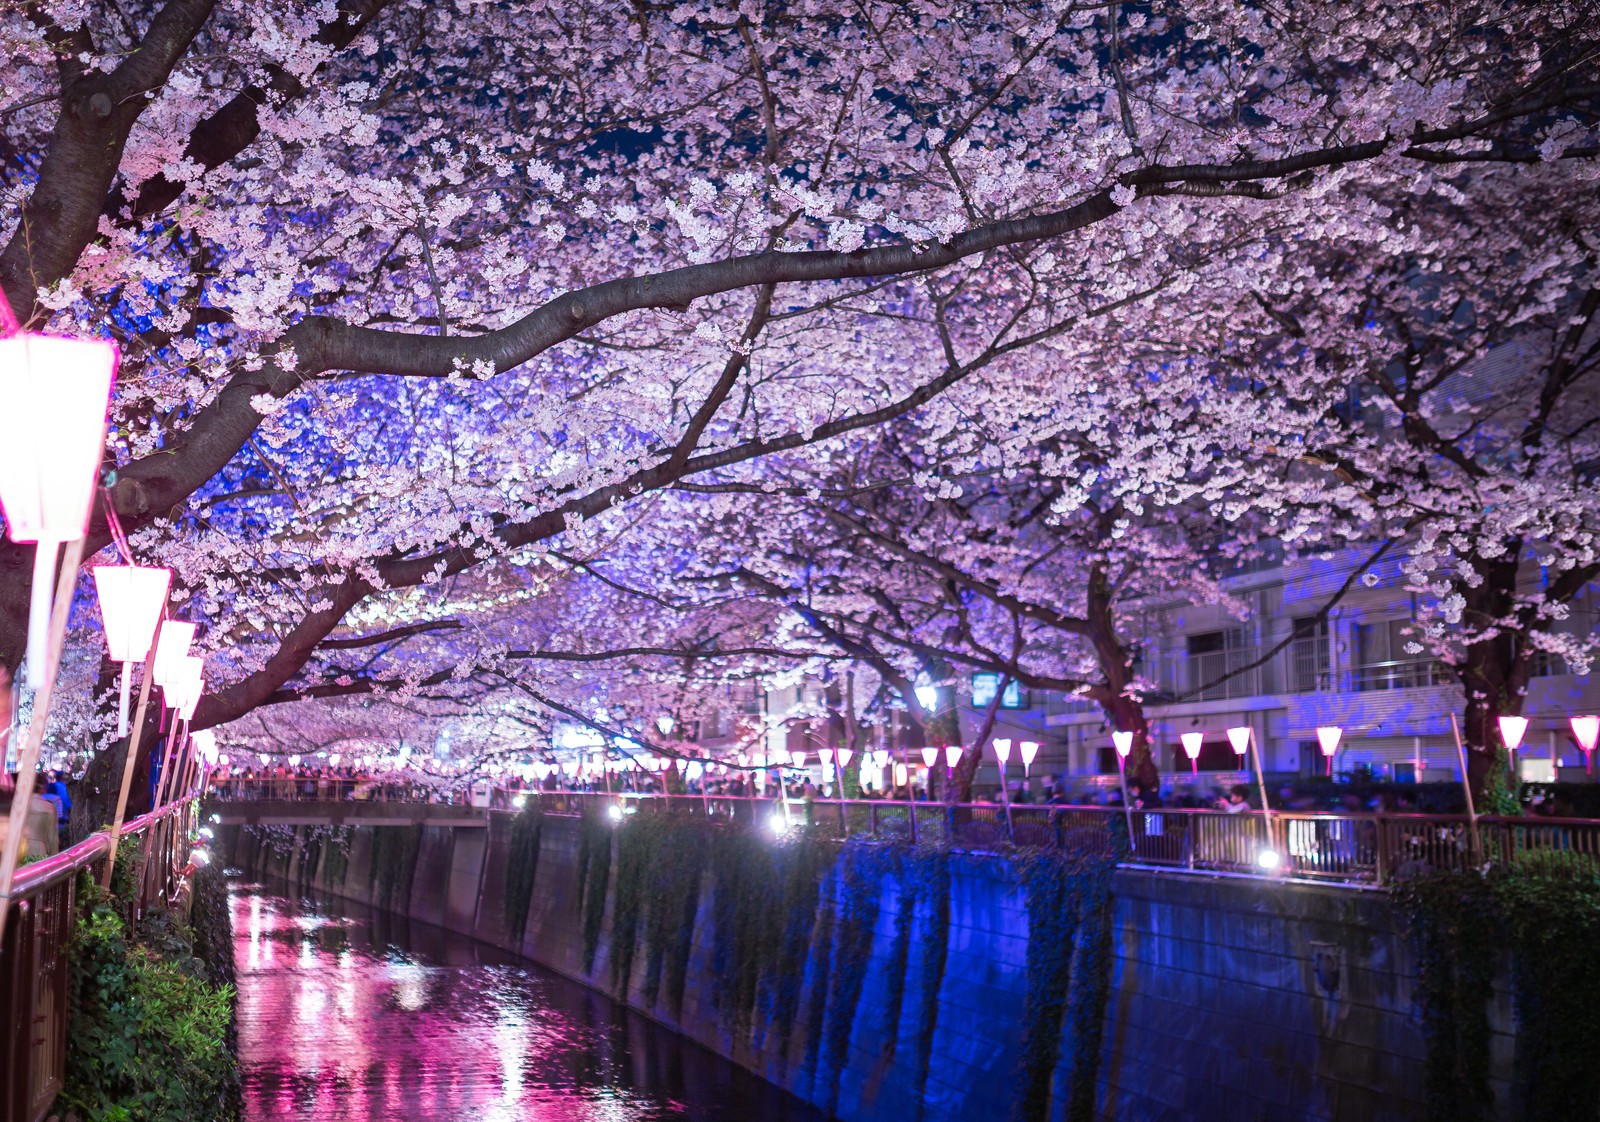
(148, 1038)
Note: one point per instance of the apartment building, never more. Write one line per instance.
(1287, 667)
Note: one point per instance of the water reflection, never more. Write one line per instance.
(349, 1013)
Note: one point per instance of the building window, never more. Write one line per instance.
(984, 686)
(1383, 664)
(1213, 654)
(1310, 669)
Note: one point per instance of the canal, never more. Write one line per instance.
(346, 1012)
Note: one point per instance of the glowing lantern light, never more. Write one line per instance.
(826, 756)
(930, 756)
(53, 398)
(131, 599)
(798, 758)
(205, 746)
(1328, 738)
(1002, 752)
(1191, 748)
(1511, 731)
(1239, 737)
(1123, 741)
(880, 758)
(1586, 731)
(1029, 749)
(844, 758)
(952, 756)
(172, 646)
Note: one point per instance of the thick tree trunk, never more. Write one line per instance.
(1494, 679)
(1122, 709)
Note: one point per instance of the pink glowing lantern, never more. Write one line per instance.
(1239, 737)
(952, 756)
(1028, 749)
(1586, 731)
(53, 398)
(798, 758)
(880, 758)
(1328, 738)
(930, 756)
(1002, 752)
(1512, 730)
(131, 599)
(844, 759)
(1191, 747)
(1123, 740)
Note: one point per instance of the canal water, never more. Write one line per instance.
(349, 1013)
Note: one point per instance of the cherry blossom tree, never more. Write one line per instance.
(415, 299)
(1458, 380)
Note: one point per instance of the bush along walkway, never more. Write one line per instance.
(151, 1034)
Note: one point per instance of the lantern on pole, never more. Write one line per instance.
(1511, 733)
(172, 646)
(880, 758)
(798, 758)
(1028, 749)
(952, 756)
(1239, 737)
(1328, 738)
(1191, 747)
(1123, 740)
(1586, 731)
(844, 760)
(930, 756)
(131, 599)
(54, 393)
(1002, 752)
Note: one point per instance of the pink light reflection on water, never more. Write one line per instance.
(337, 1021)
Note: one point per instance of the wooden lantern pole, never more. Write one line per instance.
(28, 760)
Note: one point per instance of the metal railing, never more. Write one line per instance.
(1404, 674)
(1205, 668)
(323, 789)
(1352, 849)
(33, 960)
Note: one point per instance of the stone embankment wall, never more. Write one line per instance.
(1227, 998)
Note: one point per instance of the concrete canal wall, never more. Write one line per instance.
(1227, 998)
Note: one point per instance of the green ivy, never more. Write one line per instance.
(635, 839)
(933, 885)
(1067, 894)
(594, 875)
(860, 873)
(148, 1037)
(1544, 909)
(522, 865)
(394, 864)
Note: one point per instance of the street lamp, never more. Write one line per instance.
(1191, 748)
(1328, 738)
(930, 756)
(54, 393)
(131, 599)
